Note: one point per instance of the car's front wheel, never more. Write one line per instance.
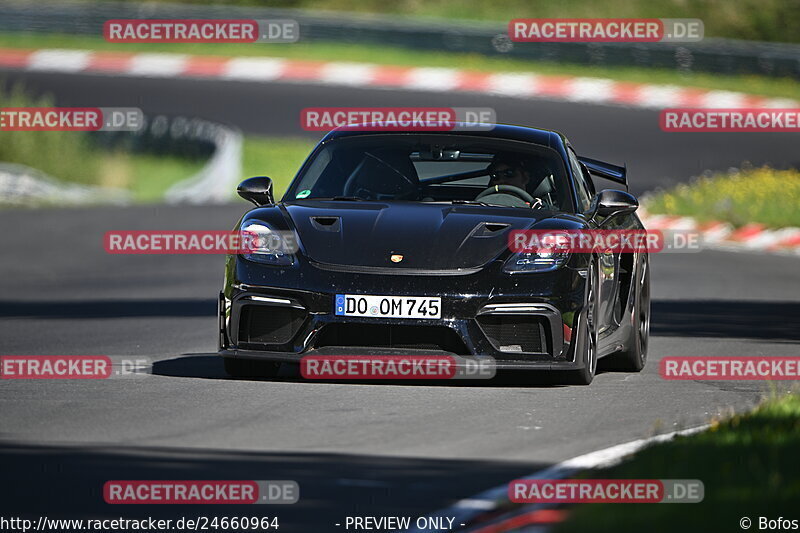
(250, 368)
(586, 339)
(634, 356)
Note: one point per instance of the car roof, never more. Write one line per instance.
(539, 136)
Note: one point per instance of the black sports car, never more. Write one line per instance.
(397, 243)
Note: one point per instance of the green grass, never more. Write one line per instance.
(72, 157)
(151, 176)
(752, 195)
(749, 465)
(773, 87)
(66, 155)
(278, 158)
(767, 20)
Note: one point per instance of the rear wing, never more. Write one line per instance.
(606, 170)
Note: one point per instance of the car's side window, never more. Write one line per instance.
(584, 190)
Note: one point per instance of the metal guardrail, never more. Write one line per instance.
(21, 185)
(724, 56)
(220, 146)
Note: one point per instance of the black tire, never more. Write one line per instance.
(586, 339)
(250, 368)
(633, 357)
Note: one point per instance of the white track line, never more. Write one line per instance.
(467, 509)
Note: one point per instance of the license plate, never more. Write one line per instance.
(387, 306)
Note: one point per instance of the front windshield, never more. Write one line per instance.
(436, 168)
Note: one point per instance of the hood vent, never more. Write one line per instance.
(489, 229)
(327, 223)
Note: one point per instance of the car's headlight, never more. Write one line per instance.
(535, 262)
(551, 254)
(263, 244)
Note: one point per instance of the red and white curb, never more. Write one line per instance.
(493, 500)
(561, 88)
(273, 69)
(721, 235)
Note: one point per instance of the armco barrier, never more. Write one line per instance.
(24, 186)
(711, 55)
(219, 145)
(195, 138)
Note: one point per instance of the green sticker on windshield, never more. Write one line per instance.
(305, 193)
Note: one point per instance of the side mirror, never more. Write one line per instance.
(257, 190)
(611, 202)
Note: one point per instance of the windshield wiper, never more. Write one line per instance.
(347, 199)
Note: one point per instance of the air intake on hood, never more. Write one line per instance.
(495, 226)
(326, 223)
(489, 229)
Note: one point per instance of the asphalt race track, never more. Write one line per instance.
(355, 449)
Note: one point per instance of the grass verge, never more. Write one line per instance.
(277, 157)
(759, 85)
(72, 157)
(147, 176)
(748, 463)
(752, 195)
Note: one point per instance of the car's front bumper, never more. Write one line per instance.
(476, 308)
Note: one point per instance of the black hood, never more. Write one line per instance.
(429, 236)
